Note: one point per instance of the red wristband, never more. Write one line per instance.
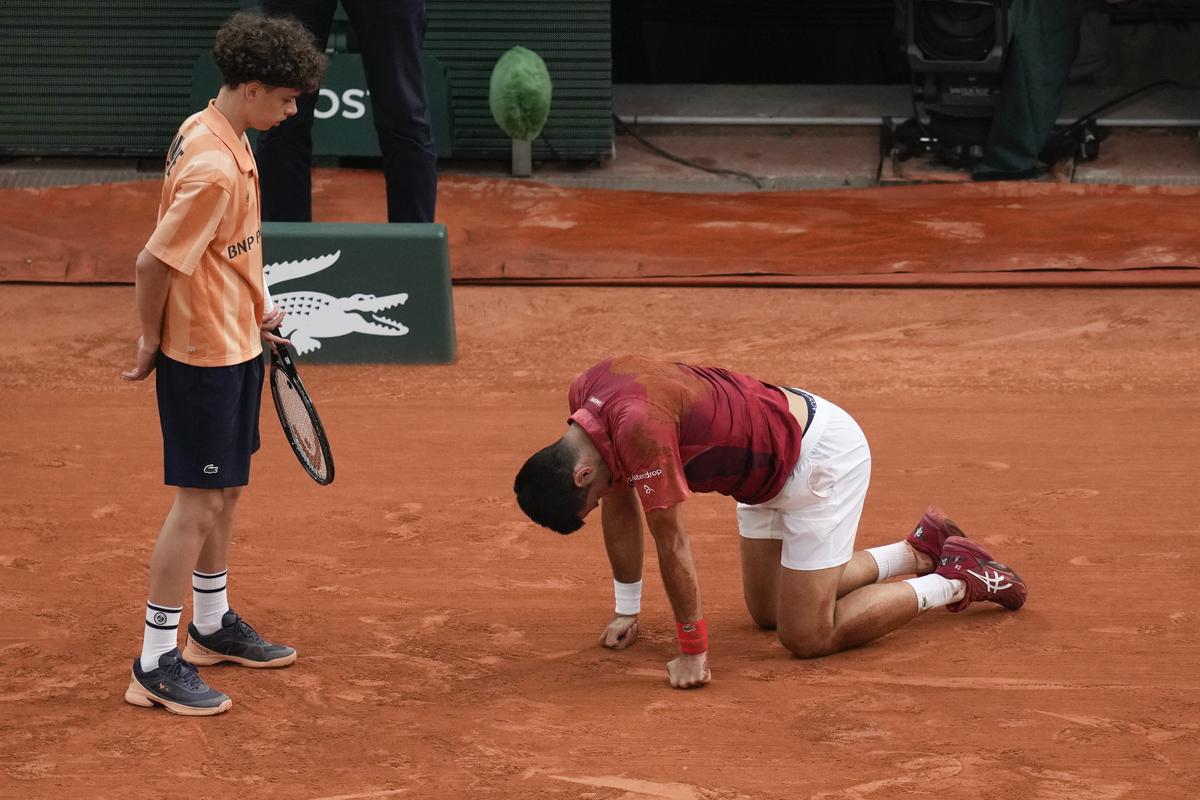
(693, 637)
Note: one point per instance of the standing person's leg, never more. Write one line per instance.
(217, 633)
(210, 599)
(284, 153)
(191, 521)
(160, 676)
(391, 34)
(1043, 47)
(209, 418)
(214, 556)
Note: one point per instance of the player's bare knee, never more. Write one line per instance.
(202, 508)
(763, 618)
(231, 495)
(207, 515)
(766, 623)
(807, 645)
(762, 607)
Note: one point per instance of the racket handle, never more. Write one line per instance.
(281, 349)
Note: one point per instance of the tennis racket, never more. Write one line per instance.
(301, 425)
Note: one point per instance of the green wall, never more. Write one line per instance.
(572, 36)
(113, 77)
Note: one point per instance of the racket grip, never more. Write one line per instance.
(280, 350)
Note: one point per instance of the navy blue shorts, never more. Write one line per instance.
(209, 418)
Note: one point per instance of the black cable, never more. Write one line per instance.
(1079, 137)
(1118, 101)
(679, 159)
(578, 164)
(550, 147)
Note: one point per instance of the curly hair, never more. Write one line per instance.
(275, 51)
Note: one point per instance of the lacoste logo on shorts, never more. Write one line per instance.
(160, 618)
(210, 469)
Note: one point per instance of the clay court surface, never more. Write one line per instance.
(448, 647)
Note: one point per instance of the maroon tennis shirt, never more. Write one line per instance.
(672, 429)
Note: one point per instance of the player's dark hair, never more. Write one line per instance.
(546, 490)
(275, 51)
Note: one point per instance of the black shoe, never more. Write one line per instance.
(176, 686)
(235, 641)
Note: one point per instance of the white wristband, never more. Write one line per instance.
(268, 301)
(629, 597)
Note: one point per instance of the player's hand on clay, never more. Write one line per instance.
(621, 632)
(271, 320)
(687, 671)
(144, 365)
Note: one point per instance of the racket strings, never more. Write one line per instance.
(295, 415)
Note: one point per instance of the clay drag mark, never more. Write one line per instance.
(448, 647)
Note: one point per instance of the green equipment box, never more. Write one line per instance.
(362, 293)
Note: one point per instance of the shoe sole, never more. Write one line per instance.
(138, 695)
(200, 655)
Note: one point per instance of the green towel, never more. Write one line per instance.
(519, 94)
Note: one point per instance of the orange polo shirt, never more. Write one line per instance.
(209, 231)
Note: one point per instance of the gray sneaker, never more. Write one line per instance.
(235, 641)
(176, 686)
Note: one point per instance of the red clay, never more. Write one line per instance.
(448, 647)
(981, 234)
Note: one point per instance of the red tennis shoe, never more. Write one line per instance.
(986, 579)
(931, 533)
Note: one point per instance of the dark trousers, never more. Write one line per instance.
(391, 34)
(1044, 44)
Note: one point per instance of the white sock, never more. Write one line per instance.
(894, 559)
(934, 591)
(161, 634)
(209, 600)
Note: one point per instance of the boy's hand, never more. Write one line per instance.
(144, 365)
(271, 320)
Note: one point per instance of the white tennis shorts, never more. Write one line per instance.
(816, 513)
